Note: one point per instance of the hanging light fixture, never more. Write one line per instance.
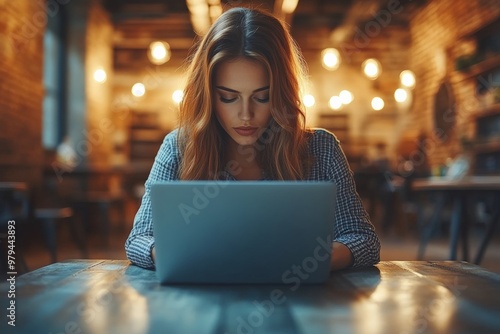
(100, 75)
(288, 6)
(138, 89)
(335, 102)
(159, 52)
(371, 68)
(401, 95)
(377, 103)
(177, 96)
(330, 59)
(346, 97)
(407, 78)
(309, 100)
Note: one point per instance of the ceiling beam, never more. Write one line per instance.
(360, 11)
(203, 14)
(182, 43)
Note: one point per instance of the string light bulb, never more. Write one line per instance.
(330, 59)
(335, 102)
(400, 95)
(100, 75)
(159, 52)
(407, 78)
(377, 103)
(138, 89)
(177, 96)
(309, 100)
(371, 68)
(346, 97)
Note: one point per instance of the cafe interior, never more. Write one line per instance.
(89, 89)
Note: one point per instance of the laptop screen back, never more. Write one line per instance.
(243, 232)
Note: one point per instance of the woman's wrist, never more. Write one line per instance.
(341, 256)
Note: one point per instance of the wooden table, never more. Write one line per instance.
(462, 193)
(93, 296)
(467, 183)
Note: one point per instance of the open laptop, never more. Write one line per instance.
(226, 232)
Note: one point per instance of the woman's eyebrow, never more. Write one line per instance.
(235, 91)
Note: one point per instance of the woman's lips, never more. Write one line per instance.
(245, 131)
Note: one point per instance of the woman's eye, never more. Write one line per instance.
(226, 100)
(263, 99)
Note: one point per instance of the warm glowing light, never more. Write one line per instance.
(407, 78)
(215, 11)
(177, 96)
(400, 95)
(335, 102)
(377, 103)
(288, 6)
(309, 100)
(100, 75)
(159, 52)
(371, 68)
(330, 58)
(138, 89)
(346, 97)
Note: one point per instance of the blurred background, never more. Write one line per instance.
(89, 88)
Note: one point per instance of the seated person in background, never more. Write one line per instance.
(377, 180)
(380, 161)
(241, 119)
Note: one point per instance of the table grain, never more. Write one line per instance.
(112, 296)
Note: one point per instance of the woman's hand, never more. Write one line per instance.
(341, 256)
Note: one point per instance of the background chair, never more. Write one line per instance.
(52, 207)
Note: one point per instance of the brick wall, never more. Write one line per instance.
(22, 24)
(435, 30)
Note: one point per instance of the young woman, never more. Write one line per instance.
(241, 119)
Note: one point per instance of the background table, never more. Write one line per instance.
(91, 296)
(462, 193)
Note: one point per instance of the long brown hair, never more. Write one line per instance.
(282, 148)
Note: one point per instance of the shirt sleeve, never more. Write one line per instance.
(140, 242)
(352, 223)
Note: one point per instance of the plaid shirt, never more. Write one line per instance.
(352, 223)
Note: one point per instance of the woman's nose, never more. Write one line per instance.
(246, 112)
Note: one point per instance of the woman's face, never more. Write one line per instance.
(241, 95)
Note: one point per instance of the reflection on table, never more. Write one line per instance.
(93, 296)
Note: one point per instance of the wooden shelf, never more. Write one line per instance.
(145, 139)
(334, 122)
(485, 146)
(488, 28)
(147, 135)
(480, 68)
(491, 110)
